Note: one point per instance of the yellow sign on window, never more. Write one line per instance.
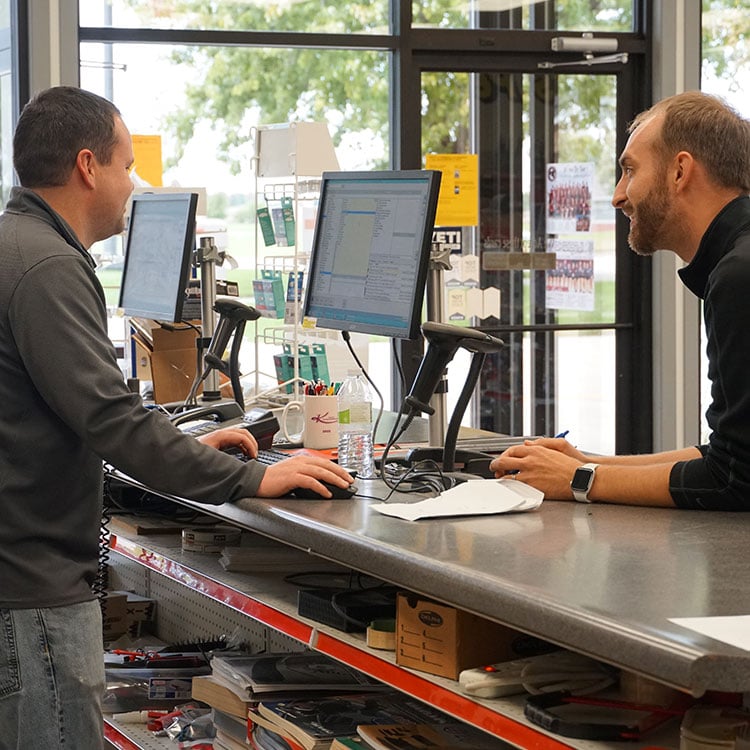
(458, 203)
(148, 167)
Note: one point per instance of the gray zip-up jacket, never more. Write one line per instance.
(64, 407)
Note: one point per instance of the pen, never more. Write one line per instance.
(562, 434)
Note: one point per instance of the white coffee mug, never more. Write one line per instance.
(320, 422)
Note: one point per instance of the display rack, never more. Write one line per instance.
(271, 602)
(287, 164)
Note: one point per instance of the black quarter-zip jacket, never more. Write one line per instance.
(720, 275)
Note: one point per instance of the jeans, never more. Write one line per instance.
(51, 678)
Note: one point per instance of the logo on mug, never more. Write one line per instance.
(325, 418)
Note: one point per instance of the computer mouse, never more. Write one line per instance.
(339, 493)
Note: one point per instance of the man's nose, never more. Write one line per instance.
(618, 197)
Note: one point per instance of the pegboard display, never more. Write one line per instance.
(135, 737)
(184, 615)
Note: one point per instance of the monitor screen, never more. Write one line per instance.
(371, 251)
(158, 253)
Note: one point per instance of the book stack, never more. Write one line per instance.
(386, 720)
(450, 735)
(238, 682)
(308, 701)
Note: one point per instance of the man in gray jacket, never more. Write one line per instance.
(65, 409)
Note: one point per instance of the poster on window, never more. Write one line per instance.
(570, 285)
(569, 197)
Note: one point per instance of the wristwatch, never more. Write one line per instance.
(582, 481)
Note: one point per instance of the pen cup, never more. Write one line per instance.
(320, 422)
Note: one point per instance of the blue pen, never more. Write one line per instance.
(562, 434)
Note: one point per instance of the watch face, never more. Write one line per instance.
(582, 479)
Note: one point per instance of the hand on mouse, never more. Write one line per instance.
(302, 471)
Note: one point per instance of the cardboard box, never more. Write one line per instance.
(140, 613)
(443, 640)
(169, 359)
(114, 615)
(138, 608)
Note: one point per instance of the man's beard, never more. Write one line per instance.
(651, 222)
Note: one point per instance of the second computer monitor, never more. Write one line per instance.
(158, 254)
(371, 251)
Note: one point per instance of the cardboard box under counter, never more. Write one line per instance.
(443, 640)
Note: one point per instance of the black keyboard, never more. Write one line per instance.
(270, 456)
(266, 456)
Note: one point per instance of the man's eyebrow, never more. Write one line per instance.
(624, 160)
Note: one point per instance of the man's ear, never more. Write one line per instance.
(683, 166)
(86, 167)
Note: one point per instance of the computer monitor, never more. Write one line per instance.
(158, 252)
(371, 251)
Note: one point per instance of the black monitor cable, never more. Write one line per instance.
(420, 477)
(423, 476)
(347, 338)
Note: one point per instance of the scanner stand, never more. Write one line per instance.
(475, 463)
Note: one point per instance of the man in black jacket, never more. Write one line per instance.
(684, 186)
(65, 408)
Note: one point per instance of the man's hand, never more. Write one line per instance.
(302, 471)
(231, 437)
(540, 464)
(561, 445)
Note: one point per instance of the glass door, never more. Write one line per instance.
(543, 265)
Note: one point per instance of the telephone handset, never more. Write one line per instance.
(260, 423)
(219, 412)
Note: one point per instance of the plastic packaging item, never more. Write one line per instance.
(708, 727)
(355, 427)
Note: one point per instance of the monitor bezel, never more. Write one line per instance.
(190, 200)
(412, 331)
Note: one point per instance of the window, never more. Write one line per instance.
(389, 99)
(12, 82)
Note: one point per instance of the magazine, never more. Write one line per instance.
(288, 672)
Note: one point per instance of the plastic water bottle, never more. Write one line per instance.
(355, 426)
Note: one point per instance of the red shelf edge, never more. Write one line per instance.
(480, 716)
(112, 734)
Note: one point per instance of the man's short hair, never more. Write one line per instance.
(709, 129)
(54, 127)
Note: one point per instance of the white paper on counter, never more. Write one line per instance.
(473, 498)
(734, 630)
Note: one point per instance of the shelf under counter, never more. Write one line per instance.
(602, 580)
(270, 600)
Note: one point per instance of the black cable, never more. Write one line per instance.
(422, 479)
(345, 335)
(399, 365)
(101, 580)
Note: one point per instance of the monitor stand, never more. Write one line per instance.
(232, 318)
(208, 257)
